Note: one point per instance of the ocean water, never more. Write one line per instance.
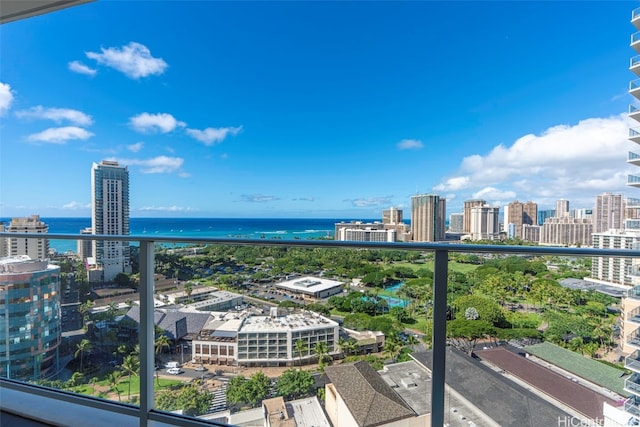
(248, 228)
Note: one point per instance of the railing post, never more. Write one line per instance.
(147, 330)
(439, 335)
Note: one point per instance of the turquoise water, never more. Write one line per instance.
(393, 301)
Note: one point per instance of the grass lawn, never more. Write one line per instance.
(453, 266)
(123, 386)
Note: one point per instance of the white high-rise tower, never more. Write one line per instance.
(110, 215)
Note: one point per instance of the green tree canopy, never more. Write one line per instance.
(295, 383)
(489, 310)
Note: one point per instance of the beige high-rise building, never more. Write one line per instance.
(485, 224)
(562, 208)
(34, 248)
(392, 216)
(609, 213)
(456, 222)
(566, 232)
(468, 204)
(85, 246)
(519, 213)
(614, 269)
(428, 214)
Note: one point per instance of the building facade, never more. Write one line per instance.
(428, 215)
(110, 215)
(85, 247)
(30, 321)
(456, 223)
(562, 208)
(466, 212)
(392, 216)
(485, 224)
(566, 232)
(34, 248)
(615, 270)
(543, 215)
(609, 213)
(519, 213)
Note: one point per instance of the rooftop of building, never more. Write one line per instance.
(369, 398)
(299, 321)
(506, 402)
(563, 389)
(412, 382)
(168, 320)
(309, 283)
(20, 264)
(277, 412)
(591, 370)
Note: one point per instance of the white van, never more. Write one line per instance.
(172, 365)
(173, 371)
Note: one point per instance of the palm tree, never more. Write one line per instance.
(300, 347)
(160, 343)
(82, 347)
(188, 289)
(114, 380)
(322, 350)
(130, 365)
(392, 348)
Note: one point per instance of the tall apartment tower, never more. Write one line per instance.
(392, 216)
(468, 204)
(428, 213)
(485, 224)
(456, 222)
(519, 213)
(630, 304)
(110, 215)
(562, 208)
(85, 246)
(34, 248)
(609, 212)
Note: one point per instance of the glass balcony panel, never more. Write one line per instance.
(632, 361)
(632, 406)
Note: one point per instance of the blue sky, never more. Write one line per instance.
(315, 109)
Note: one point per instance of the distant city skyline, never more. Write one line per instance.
(315, 109)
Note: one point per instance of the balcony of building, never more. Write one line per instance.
(633, 203)
(635, 18)
(632, 361)
(632, 406)
(635, 41)
(633, 158)
(634, 65)
(633, 181)
(632, 384)
(634, 316)
(59, 407)
(634, 112)
(634, 135)
(634, 88)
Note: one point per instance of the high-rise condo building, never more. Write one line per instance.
(456, 222)
(485, 224)
(110, 215)
(519, 213)
(562, 208)
(428, 214)
(392, 216)
(468, 204)
(34, 248)
(609, 213)
(543, 215)
(614, 270)
(566, 232)
(85, 246)
(30, 324)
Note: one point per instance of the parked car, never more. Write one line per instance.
(200, 368)
(173, 371)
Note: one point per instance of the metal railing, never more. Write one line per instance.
(146, 412)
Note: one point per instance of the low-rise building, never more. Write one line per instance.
(311, 288)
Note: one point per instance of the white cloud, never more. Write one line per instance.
(410, 144)
(258, 198)
(371, 201)
(134, 60)
(161, 122)
(304, 199)
(159, 164)
(210, 136)
(80, 68)
(73, 205)
(6, 98)
(167, 209)
(574, 162)
(57, 115)
(134, 148)
(60, 135)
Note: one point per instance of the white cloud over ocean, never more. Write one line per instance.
(574, 162)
